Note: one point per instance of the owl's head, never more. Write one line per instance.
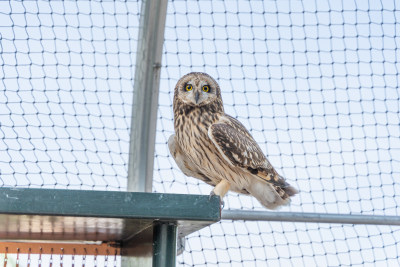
(198, 89)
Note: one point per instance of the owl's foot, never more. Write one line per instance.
(220, 190)
(221, 201)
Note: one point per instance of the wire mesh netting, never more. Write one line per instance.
(316, 83)
(66, 76)
(66, 91)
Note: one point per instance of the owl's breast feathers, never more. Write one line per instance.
(192, 121)
(191, 130)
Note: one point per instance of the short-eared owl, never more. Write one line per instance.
(216, 148)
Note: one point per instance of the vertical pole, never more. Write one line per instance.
(145, 96)
(164, 244)
(144, 107)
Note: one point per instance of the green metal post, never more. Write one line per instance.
(164, 244)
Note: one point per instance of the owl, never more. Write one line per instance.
(216, 148)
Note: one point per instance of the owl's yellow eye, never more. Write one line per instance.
(206, 88)
(188, 87)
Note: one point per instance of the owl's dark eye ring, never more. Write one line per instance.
(188, 87)
(206, 88)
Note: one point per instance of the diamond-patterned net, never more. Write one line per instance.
(316, 83)
(67, 73)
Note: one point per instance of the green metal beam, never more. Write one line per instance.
(164, 244)
(126, 218)
(108, 204)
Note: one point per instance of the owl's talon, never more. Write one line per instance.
(212, 193)
(221, 201)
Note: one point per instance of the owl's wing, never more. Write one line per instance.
(240, 149)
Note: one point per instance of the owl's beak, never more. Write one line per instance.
(196, 97)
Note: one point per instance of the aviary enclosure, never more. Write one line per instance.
(86, 104)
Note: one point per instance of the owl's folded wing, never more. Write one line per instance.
(239, 149)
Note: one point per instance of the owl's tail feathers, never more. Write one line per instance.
(271, 196)
(289, 190)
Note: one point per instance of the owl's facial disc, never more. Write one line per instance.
(198, 89)
(198, 93)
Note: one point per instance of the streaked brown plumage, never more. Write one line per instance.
(216, 148)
